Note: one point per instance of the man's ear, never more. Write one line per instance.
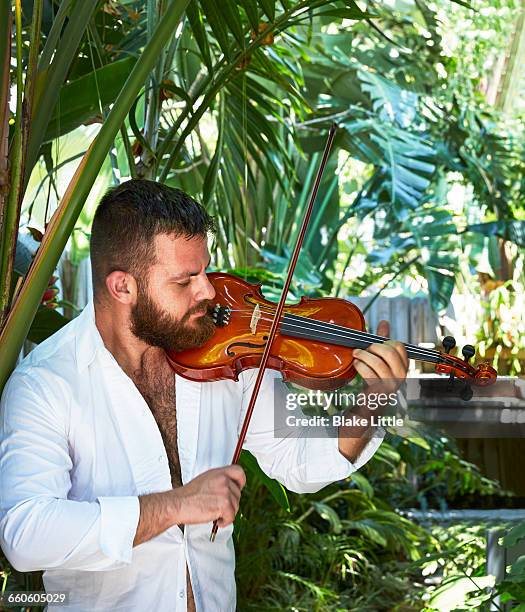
(122, 287)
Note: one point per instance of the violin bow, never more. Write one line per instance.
(280, 307)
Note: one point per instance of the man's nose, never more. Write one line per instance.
(206, 289)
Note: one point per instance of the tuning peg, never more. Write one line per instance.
(468, 351)
(448, 343)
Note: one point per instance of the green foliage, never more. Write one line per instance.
(460, 551)
(347, 547)
(512, 589)
(427, 473)
(82, 100)
(465, 585)
(240, 112)
(276, 489)
(515, 535)
(503, 331)
(316, 557)
(461, 593)
(45, 324)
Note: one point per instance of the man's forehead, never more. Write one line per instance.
(181, 252)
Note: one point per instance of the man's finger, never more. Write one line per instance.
(236, 473)
(364, 371)
(400, 348)
(374, 361)
(373, 380)
(235, 490)
(383, 328)
(388, 352)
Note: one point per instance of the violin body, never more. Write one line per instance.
(241, 336)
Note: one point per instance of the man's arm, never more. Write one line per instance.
(307, 459)
(215, 494)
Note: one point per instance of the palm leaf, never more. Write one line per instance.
(79, 100)
(512, 230)
(51, 77)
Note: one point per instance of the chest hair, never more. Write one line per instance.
(156, 382)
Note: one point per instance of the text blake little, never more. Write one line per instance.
(337, 420)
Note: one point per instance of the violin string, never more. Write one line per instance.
(345, 332)
(333, 326)
(349, 334)
(416, 352)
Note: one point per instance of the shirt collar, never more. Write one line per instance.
(88, 338)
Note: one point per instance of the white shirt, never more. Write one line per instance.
(79, 444)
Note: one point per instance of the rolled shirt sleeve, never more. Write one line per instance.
(119, 517)
(302, 463)
(40, 528)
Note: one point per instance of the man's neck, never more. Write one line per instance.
(129, 351)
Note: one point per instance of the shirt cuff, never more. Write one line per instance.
(326, 462)
(368, 451)
(119, 518)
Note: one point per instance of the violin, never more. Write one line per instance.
(313, 346)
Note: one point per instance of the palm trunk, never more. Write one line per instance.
(5, 62)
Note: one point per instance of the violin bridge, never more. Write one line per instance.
(256, 315)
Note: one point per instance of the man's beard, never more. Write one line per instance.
(156, 327)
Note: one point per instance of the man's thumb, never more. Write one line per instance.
(383, 328)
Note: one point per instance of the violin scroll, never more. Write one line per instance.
(481, 375)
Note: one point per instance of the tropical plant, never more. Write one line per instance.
(438, 476)
(37, 97)
(512, 588)
(465, 584)
(349, 546)
(503, 330)
(341, 548)
(459, 569)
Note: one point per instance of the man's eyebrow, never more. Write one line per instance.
(188, 273)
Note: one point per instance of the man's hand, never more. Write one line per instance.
(215, 494)
(383, 367)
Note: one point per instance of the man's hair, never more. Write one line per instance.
(127, 220)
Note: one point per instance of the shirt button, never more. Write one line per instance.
(160, 458)
(181, 594)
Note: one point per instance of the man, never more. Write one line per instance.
(113, 468)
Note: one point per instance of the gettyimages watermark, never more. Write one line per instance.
(369, 409)
(403, 407)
